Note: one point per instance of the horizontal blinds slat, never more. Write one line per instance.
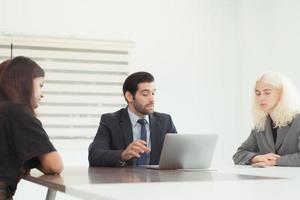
(85, 77)
(4, 55)
(67, 104)
(72, 55)
(74, 110)
(70, 121)
(120, 69)
(73, 43)
(99, 100)
(71, 142)
(5, 40)
(5, 48)
(71, 132)
(62, 87)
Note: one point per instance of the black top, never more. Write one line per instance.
(274, 131)
(22, 141)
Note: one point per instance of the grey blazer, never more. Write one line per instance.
(262, 142)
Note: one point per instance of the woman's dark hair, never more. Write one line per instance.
(132, 81)
(16, 81)
(3, 65)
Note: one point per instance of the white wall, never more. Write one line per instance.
(203, 53)
(190, 47)
(268, 40)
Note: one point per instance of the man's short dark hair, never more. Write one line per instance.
(132, 81)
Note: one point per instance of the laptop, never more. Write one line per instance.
(186, 151)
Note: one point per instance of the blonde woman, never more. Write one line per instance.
(275, 138)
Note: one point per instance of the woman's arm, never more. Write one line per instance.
(246, 151)
(292, 160)
(51, 163)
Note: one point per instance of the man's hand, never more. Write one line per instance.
(134, 149)
(268, 159)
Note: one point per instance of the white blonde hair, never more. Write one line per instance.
(287, 107)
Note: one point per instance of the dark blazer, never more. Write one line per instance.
(261, 142)
(115, 134)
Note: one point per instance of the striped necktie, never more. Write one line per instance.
(142, 160)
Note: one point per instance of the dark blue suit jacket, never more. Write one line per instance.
(115, 134)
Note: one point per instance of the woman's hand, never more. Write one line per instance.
(268, 159)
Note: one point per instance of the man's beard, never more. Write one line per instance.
(142, 109)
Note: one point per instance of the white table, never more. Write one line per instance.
(236, 182)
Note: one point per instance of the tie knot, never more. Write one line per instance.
(142, 121)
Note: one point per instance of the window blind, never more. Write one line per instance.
(83, 80)
(5, 48)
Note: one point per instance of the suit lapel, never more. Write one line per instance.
(269, 135)
(126, 127)
(155, 135)
(281, 134)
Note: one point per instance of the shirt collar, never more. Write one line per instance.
(134, 118)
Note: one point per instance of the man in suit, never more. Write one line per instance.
(133, 135)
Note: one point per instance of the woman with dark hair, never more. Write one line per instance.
(3, 64)
(24, 144)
